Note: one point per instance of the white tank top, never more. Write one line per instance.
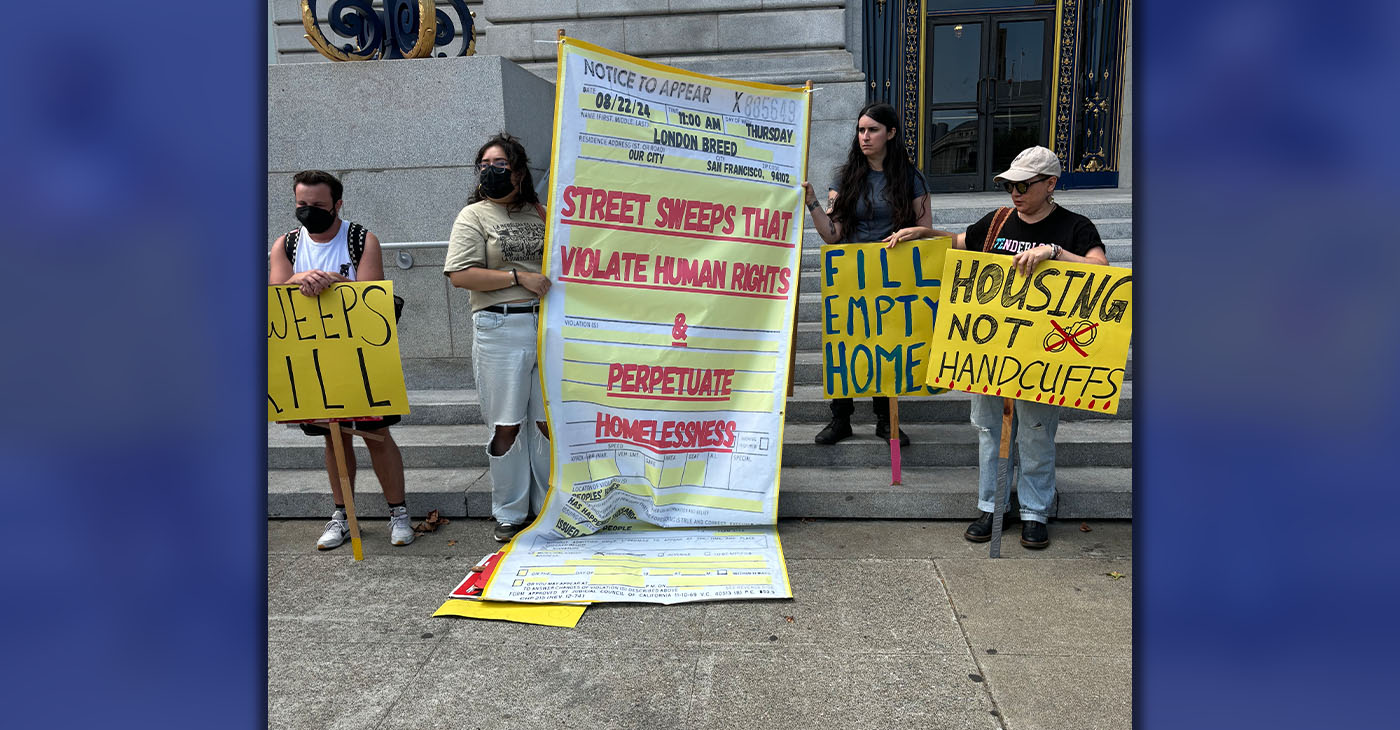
(333, 255)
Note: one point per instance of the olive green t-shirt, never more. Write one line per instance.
(488, 235)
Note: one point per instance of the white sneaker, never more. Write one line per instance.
(337, 530)
(400, 532)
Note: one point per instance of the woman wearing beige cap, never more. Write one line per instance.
(1035, 229)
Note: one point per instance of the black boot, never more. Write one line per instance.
(1034, 535)
(882, 431)
(981, 530)
(837, 430)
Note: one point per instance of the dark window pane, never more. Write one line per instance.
(1020, 50)
(1012, 132)
(952, 142)
(957, 56)
(941, 5)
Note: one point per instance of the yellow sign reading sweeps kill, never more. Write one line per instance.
(333, 356)
(1060, 336)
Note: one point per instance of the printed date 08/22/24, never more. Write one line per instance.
(621, 105)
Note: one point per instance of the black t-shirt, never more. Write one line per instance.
(874, 218)
(1072, 231)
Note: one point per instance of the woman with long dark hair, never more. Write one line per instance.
(495, 252)
(877, 191)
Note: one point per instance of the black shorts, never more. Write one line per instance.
(316, 429)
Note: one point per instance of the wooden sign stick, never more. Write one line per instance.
(346, 490)
(894, 442)
(1003, 476)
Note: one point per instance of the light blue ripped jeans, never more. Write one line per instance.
(1032, 454)
(508, 384)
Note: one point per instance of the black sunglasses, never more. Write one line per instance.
(1021, 187)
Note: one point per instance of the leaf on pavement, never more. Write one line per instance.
(1084, 527)
(430, 523)
(1115, 575)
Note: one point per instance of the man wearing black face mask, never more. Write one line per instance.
(323, 251)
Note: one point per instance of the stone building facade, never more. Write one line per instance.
(975, 80)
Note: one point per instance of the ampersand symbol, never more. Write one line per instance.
(678, 331)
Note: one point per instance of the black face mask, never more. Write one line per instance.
(496, 183)
(315, 219)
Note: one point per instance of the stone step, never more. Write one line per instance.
(438, 372)
(964, 208)
(443, 407)
(1081, 443)
(1096, 204)
(941, 493)
(935, 492)
(947, 216)
(302, 493)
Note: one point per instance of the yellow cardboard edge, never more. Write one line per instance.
(787, 584)
(541, 614)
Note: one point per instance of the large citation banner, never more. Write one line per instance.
(674, 242)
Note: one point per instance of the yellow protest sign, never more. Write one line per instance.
(878, 309)
(333, 356)
(1059, 336)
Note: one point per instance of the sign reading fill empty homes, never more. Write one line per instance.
(878, 310)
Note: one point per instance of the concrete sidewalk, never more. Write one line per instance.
(893, 624)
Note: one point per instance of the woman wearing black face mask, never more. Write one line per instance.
(495, 252)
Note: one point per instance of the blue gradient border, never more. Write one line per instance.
(134, 451)
(1266, 363)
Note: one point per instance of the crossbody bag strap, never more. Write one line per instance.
(355, 241)
(998, 221)
(289, 245)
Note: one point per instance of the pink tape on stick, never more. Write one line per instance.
(894, 458)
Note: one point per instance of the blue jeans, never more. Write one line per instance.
(508, 384)
(1032, 454)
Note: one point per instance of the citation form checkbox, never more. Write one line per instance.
(762, 443)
